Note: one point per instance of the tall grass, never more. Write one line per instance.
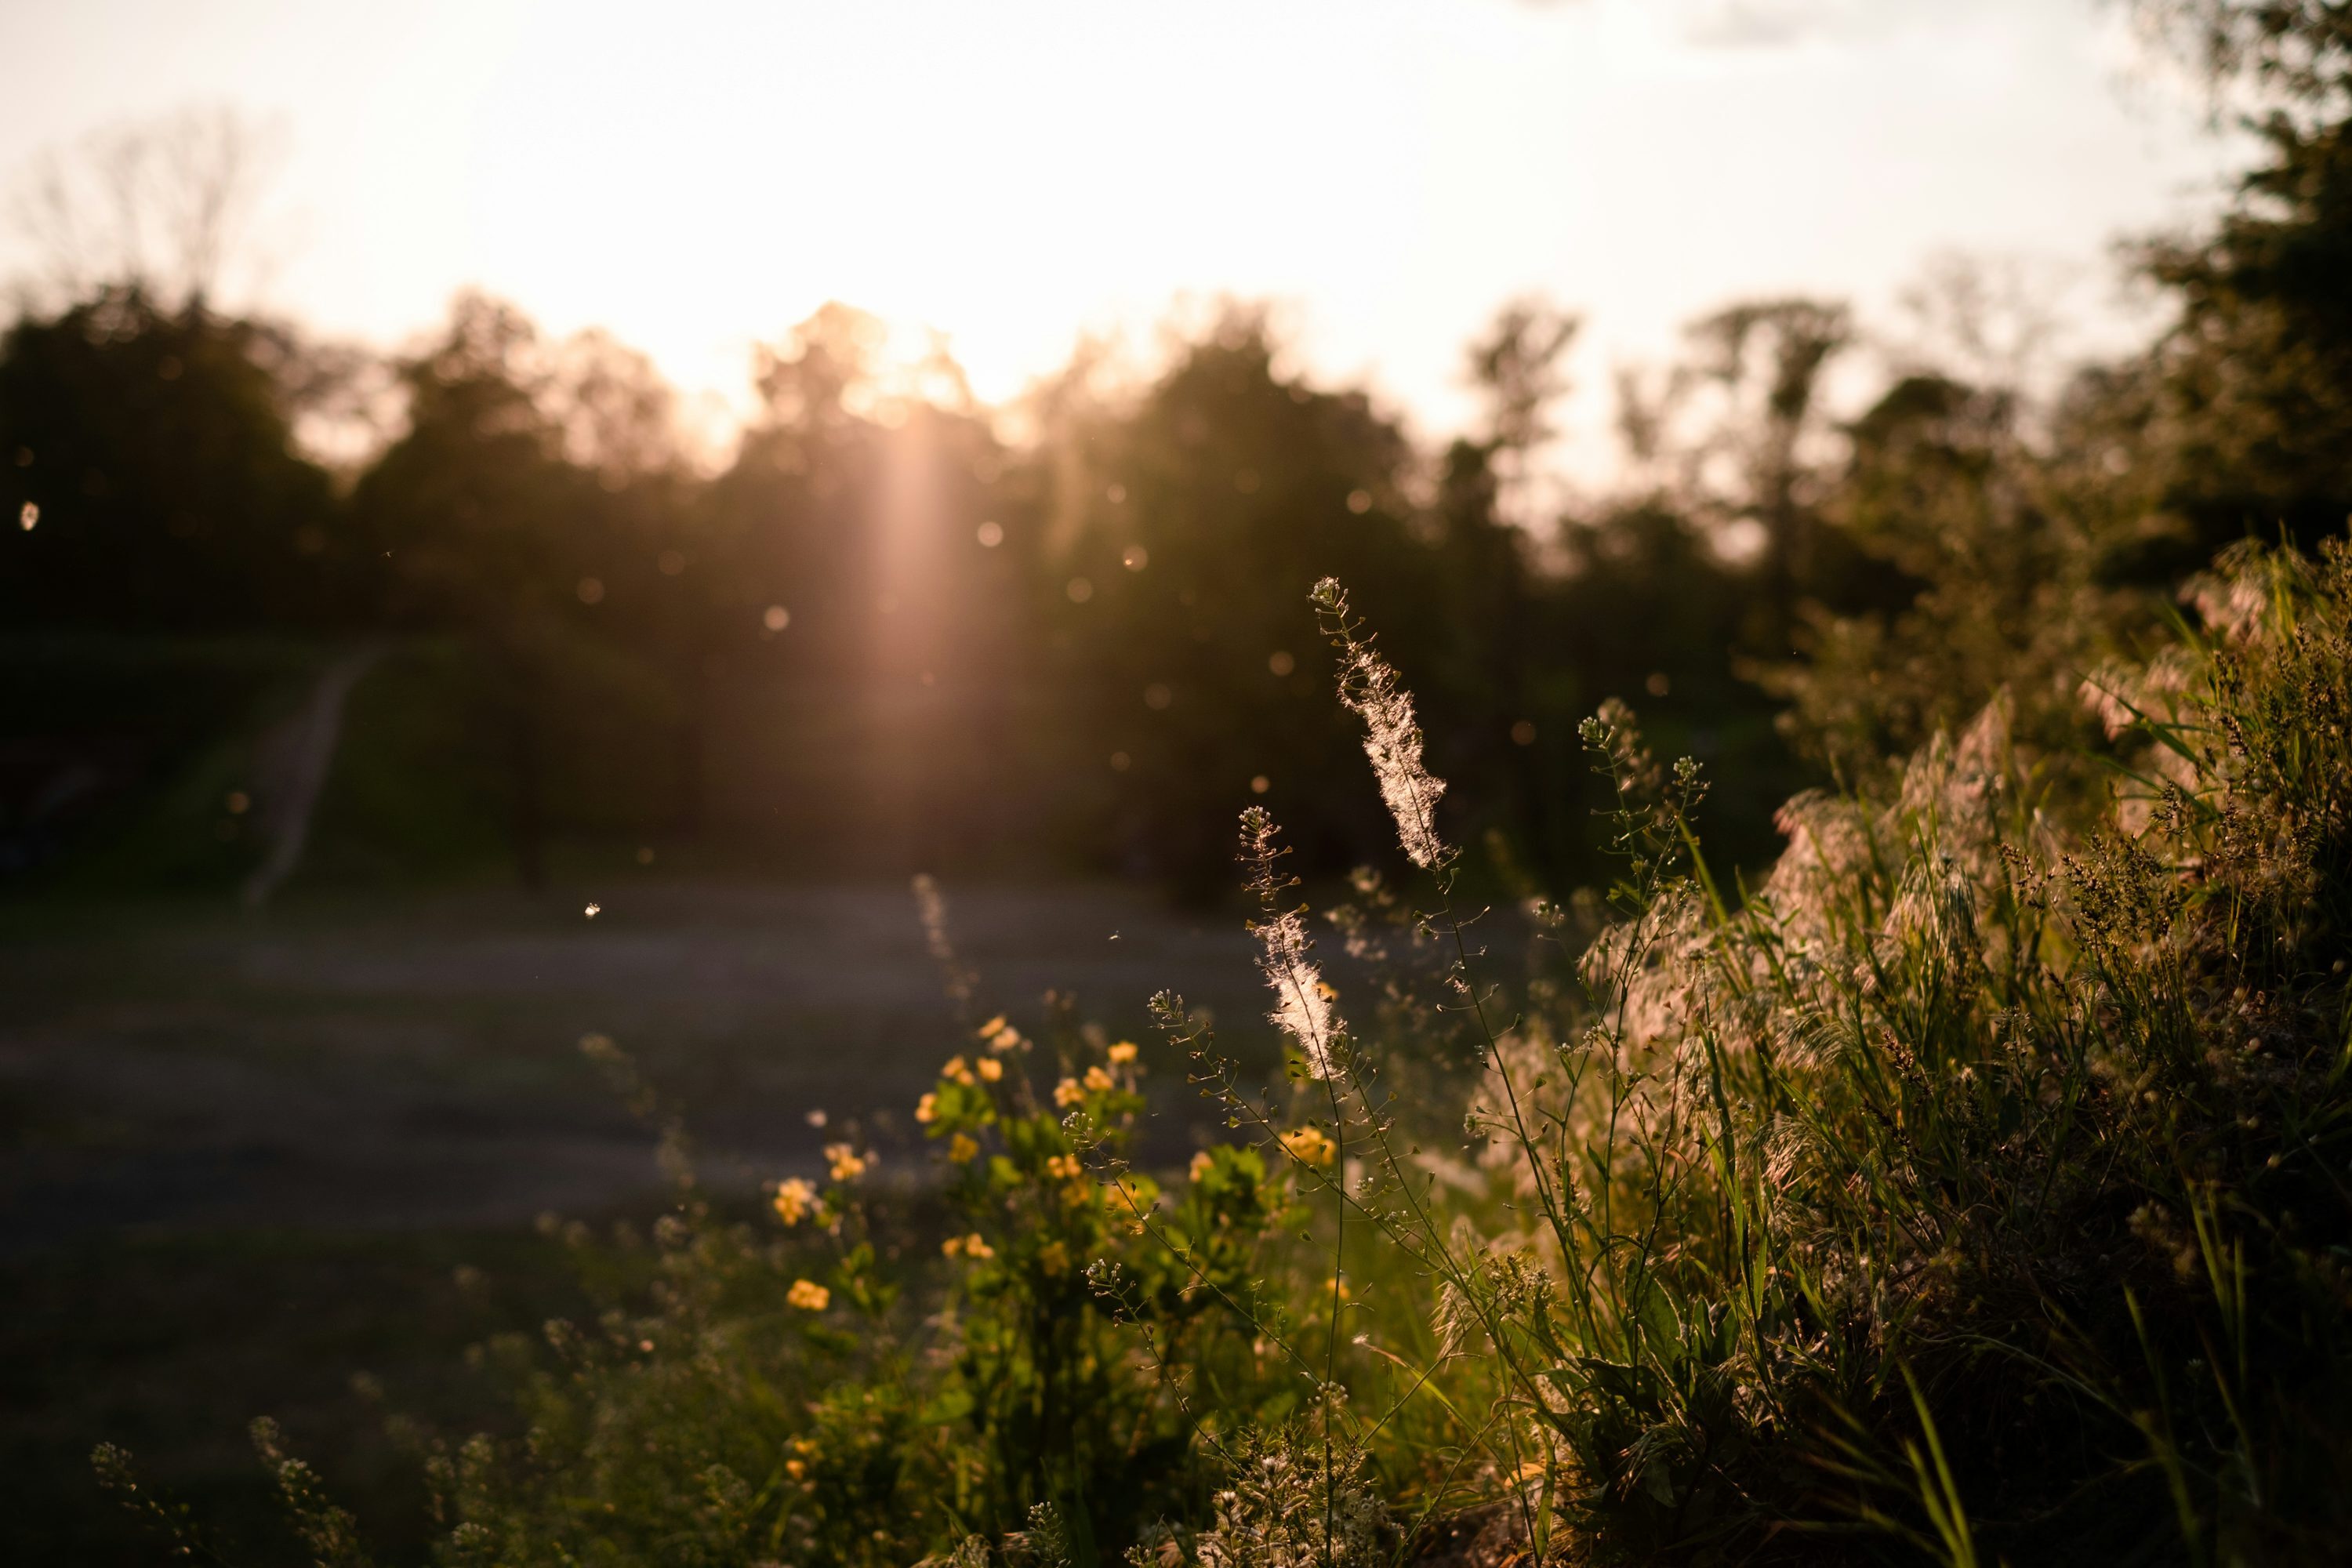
(1976, 1187)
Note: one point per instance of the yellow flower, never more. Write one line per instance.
(1310, 1146)
(1122, 1052)
(1077, 1193)
(962, 1149)
(1202, 1165)
(991, 1069)
(1097, 1079)
(846, 1163)
(808, 1296)
(1001, 1036)
(957, 1070)
(795, 1468)
(1068, 1092)
(993, 1028)
(1054, 1258)
(928, 1108)
(1063, 1167)
(952, 1247)
(976, 1246)
(795, 1198)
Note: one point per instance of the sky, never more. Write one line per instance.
(697, 175)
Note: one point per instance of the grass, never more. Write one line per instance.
(168, 1344)
(238, 1150)
(1967, 1191)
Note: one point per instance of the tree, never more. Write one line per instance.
(2246, 407)
(155, 449)
(165, 208)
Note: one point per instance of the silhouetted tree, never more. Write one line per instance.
(156, 447)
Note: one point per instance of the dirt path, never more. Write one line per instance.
(291, 768)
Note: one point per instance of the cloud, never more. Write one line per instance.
(1783, 23)
(1758, 23)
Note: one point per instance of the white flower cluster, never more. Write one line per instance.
(1368, 685)
(1302, 1008)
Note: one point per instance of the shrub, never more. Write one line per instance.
(1971, 1188)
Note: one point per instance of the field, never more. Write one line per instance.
(248, 1157)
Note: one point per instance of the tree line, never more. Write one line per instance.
(884, 634)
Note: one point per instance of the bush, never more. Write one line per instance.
(1971, 1189)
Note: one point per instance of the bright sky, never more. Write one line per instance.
(699, 174)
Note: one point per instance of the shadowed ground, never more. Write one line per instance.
(246, 1155)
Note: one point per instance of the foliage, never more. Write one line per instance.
(1965, 1191)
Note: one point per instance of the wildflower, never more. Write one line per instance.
(808, 1296)
(1054, 1258)
(1310, 1146)
(976, 1246)
(956, 1070)
(991, 1029)
(1302, 1007)
(1122, 1052)
(1202, 1166)
(952, 1247)
(1068, 1092)
(963, 1150)
(928, 1108)
(796, 1468)
(846, 1163)
(1098, 1080)
(794, 1199)
(990, 1069)
(1000, 1035)
(1367, 685)
(1063, 1167)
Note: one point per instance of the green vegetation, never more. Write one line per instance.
(1969, 1190)
(1913, 1127)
